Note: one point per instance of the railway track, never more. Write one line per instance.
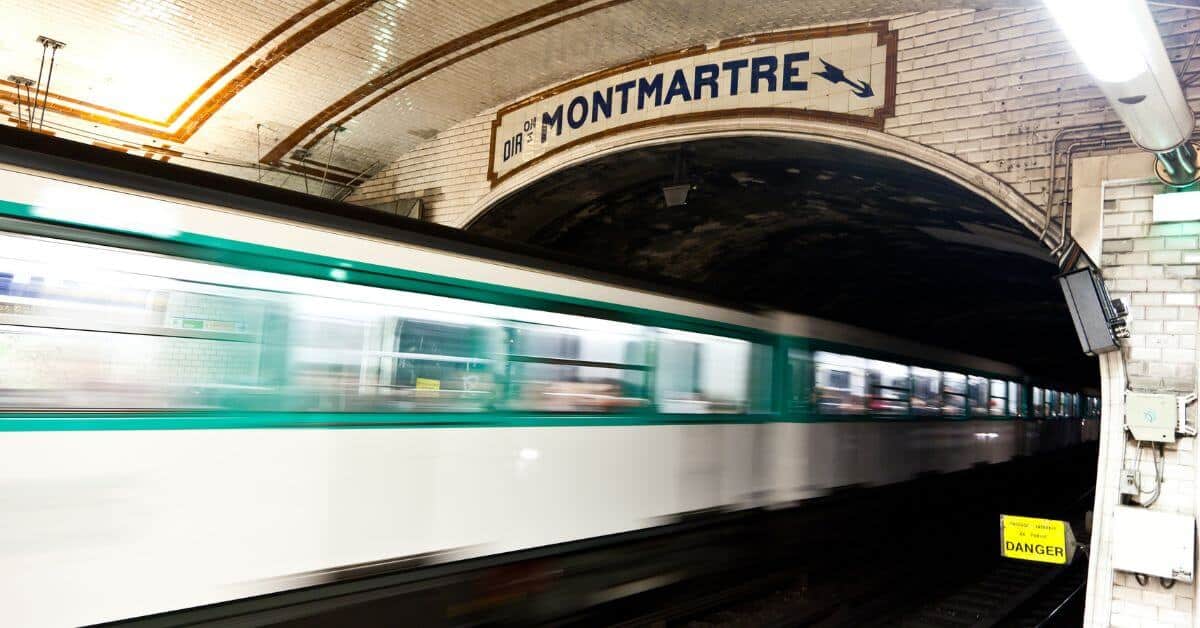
(1008, 594)
(974, 589)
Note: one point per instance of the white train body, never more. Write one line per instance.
(108, 521)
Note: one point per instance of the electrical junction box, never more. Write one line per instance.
(1129, 482)
(1154, 543)
(1151, 418)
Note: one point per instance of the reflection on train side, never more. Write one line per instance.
(95, 328)
(850, 385)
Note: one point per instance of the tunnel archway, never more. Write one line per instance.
(861, 138)
(816, 226)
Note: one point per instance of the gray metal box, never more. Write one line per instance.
(1154, 543)
(1151, 418)
(1091, 310)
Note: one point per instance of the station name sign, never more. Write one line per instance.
(844, 74)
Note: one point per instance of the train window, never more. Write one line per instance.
(702, 374)
(926, 392)
(1052, 407)
(977, 395)
(91, 327)
(997, 401)
(840, 383)
(1014, 399)
(888, 383)
(439, 365)
(1038, 401)
(77, 333)
(954, 394)
(560, 369)
(800, 373)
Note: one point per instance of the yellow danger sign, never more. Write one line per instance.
(1041, 540)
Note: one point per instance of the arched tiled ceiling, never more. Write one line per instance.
(227, 85)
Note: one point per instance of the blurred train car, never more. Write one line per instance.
(199, 404)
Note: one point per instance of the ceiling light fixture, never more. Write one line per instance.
(1103, 33)
(676, 193)
(1119, 43)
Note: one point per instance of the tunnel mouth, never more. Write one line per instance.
(812, 227)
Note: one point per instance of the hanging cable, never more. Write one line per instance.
(53, 45)
(184, 153)
(258, 150)
(300, 154)
(38, 88)
(332, 142)
(1159, 457)
(30, 97)
(23, 83)
(20, 99)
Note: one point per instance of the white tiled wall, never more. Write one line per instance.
(1153, 267)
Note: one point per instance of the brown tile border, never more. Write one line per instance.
(884, 36)
(298, 40)
(245, 54)
(11, 97)
(88, 116)
(313, 125)
(119, 149)
(61, 104)
(160, 129)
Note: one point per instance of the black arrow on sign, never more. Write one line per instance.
(835, 75)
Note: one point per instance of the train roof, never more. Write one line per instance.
(552, 272)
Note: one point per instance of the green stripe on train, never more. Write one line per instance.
(93, 421)
(292, 262)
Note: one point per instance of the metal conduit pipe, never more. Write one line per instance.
(1107, 139)
(1091, 143)
(1052, 166)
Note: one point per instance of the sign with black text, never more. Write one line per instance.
(1038, 540)
(844, 73)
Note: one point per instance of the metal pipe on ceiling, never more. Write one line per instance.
(1106, 128)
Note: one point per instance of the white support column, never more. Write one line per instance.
(1155, 269)
(1112, 446)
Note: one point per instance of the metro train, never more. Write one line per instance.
(200, 404)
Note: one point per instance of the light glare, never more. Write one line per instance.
(1176, 207)
(1104, 35)
(100, 208)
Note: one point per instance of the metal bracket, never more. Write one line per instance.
(1183, 427)
(1179, 166)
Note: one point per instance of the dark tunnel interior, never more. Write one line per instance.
(818, 229)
